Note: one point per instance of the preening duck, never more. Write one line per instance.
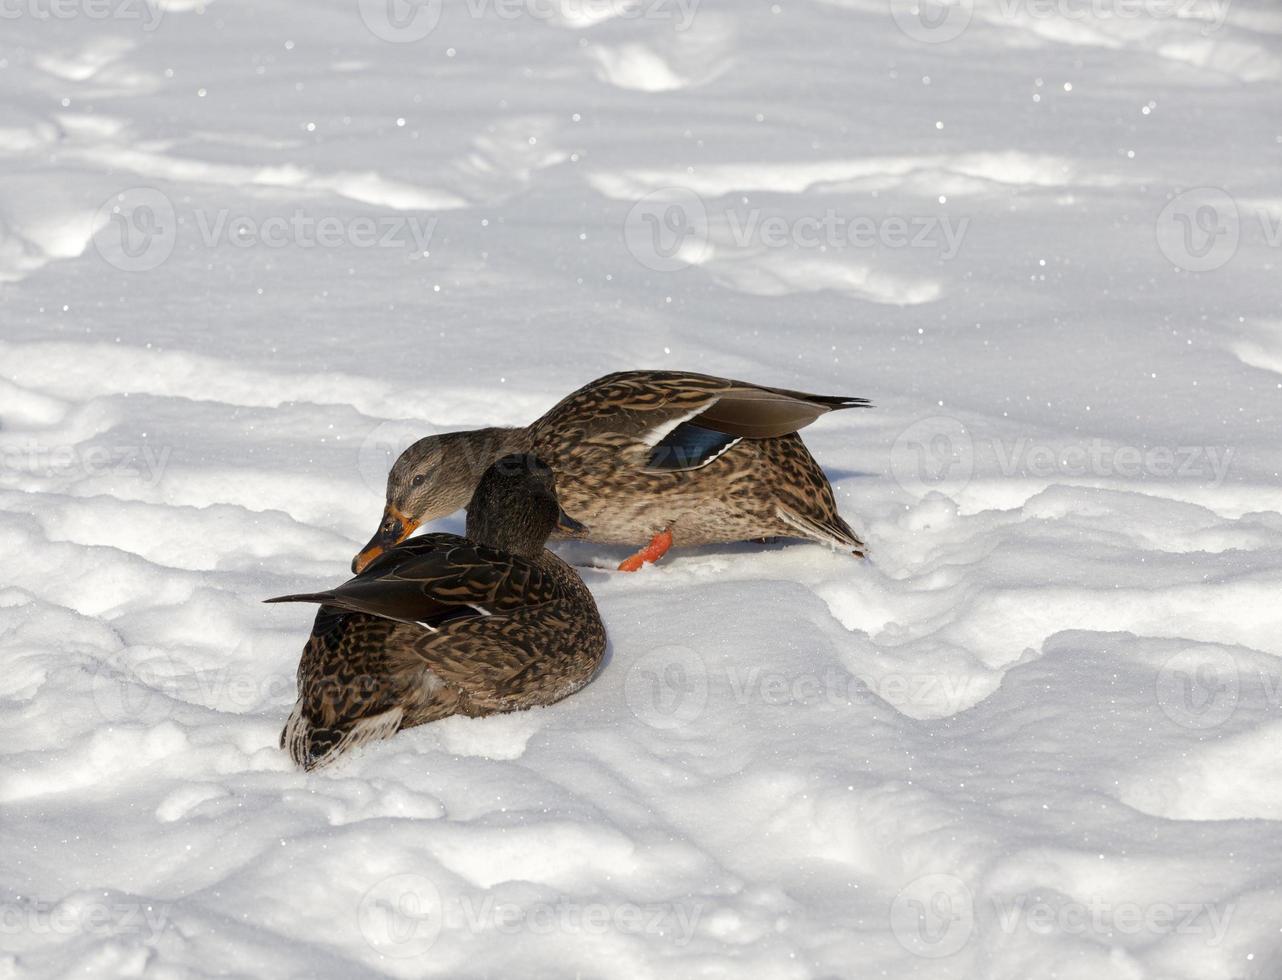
(645, 456)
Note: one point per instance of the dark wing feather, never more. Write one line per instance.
(436, 578)
(397, 605)
(689, 446)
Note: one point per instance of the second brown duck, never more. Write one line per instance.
(658, 456)
(445, 625)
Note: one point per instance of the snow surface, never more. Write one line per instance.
(1035, 735)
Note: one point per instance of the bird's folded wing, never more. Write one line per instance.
(440, 584)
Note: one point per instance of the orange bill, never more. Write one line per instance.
(394, 528)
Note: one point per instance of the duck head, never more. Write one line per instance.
(434, 477)
(439, 474)
(515, 508)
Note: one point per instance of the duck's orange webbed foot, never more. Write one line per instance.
(656, 549)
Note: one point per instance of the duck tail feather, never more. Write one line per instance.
(313, 747)
(303, 597)
(831, 531)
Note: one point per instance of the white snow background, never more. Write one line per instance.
(248, 249)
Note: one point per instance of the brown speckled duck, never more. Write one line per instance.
(445, 625)
(658, 456)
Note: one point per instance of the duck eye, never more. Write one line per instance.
(418, 480)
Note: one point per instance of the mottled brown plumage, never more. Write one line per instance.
(640, 452)
(444, 625)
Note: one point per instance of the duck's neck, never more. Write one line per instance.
(485, 446)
